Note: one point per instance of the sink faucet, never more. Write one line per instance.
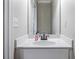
(44, 37)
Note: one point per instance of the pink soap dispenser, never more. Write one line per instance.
(36, 36)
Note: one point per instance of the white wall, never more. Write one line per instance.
(19, 17)
(68, 18)
(17, 22)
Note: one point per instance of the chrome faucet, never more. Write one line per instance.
(43, 37)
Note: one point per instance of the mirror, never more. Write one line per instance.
(44, 17)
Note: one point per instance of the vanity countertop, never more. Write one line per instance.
(61, 42)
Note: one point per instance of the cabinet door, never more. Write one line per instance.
(19, 54)
(45, 54)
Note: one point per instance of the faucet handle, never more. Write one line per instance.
(47, 35)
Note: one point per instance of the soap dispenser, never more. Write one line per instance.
(36, 36)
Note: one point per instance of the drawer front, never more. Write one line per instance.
(42, 54)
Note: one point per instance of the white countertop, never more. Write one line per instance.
(62, 42)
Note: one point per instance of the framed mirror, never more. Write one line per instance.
(44, 17)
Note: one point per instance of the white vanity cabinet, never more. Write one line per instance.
(40, 53)
(60, 48)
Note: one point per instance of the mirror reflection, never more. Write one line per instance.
(44, 17)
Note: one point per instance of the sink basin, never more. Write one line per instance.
(44, 43)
